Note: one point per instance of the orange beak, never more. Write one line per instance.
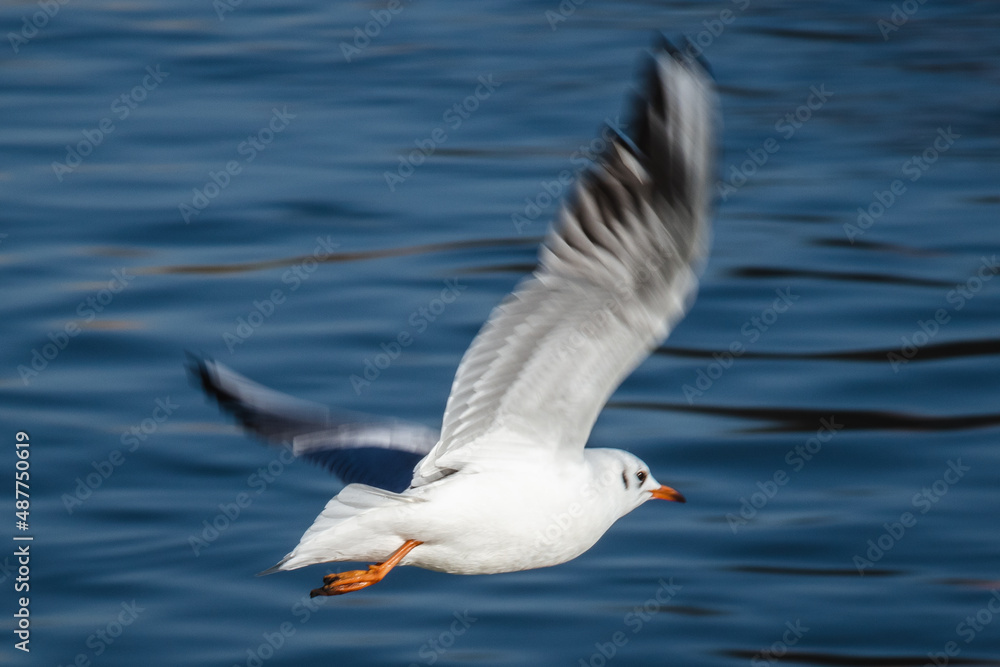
(666, 493)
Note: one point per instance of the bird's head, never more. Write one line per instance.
(627, 478)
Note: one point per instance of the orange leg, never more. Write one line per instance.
(354, 580)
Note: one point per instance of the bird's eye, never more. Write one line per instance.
(641, 476)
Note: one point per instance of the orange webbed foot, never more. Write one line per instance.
(354, 580)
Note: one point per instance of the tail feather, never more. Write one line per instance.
(336, 534)
(277, 567)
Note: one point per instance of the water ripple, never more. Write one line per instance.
(768, 272)
(787, 419)
(359, 255)
(951, 350)
(817, 658)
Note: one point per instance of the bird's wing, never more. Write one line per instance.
(616, 273)
(269, 414)
(357, 448)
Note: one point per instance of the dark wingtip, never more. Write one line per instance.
(196, 368)
(688, 53)
(200, 374)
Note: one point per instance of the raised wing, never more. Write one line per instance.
(617, 271)
(357, 448)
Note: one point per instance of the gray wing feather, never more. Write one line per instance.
(616, 273)
(357, 448)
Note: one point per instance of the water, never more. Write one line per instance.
(813, 309)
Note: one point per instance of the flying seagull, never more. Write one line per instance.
(508, 484)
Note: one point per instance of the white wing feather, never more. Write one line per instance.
(617, 272)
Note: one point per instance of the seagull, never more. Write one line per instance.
(507, 484)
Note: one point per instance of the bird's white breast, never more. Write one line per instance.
(504, 520)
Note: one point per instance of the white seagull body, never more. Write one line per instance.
(508, 484)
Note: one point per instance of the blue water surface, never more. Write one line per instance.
(828, 407)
